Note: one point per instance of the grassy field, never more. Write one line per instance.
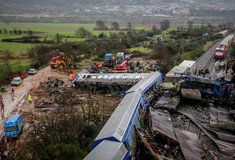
(141, 49)
(46, 30)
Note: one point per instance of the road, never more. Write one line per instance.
(14, 103)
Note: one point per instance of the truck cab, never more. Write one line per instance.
(107, 57)
(14, 126)
(120, 57)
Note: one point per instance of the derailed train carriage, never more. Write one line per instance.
(117, 139)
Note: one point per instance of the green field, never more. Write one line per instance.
(46, 30)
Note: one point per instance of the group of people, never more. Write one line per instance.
(202, 72)
(13, 94)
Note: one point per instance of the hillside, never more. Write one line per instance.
(117, 9)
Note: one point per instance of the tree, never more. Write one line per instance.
(155, 30)
(115, 26)
(30, 33)
(5, 30)
(58, 38)
(19, 31)
(100, 25)
(14, 31)
(129, 26)
(165, 24)
(82, 33)
(190, 24)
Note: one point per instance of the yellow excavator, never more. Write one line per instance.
(61, 62)
(65, 63)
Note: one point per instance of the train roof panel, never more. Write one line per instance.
(146, 82)
(117, 125)
(108, 150)
(187, 63)
(226, 40)
(177, 69)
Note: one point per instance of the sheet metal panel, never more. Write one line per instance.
(187, 63)
(189, 144)
(108, 150)
(120, 119)
(201, 120)
(161, 122)
(178, 69)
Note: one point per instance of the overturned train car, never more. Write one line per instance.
(117, 139)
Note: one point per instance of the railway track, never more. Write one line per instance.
(207, 59)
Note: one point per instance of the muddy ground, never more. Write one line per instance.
(33, 112)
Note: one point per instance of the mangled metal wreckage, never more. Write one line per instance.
(117, 139)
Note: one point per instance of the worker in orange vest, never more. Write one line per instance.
(32, 86)
(72, 76)
(22, 76)
(110, 70)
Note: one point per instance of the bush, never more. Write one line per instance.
(193, 55)
(102, 53)
(35, 65)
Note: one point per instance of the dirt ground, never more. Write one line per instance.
(102, 105)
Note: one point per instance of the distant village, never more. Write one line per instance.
(157, 10)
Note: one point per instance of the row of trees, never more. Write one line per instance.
(16, 31)
(100, 25)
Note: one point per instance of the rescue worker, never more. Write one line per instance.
(2, 106)
(22, 77)
(29, 98)
(110, 70)
(12, 92)
(32, 86)
(204, 72)
(72, 76)
(199, 72)
(196, 72)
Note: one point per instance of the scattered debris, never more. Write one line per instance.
(220, 118)
(189, 144)
(156, 153)
(161, 122)
(55, 82)
(191, 94)
(200, 120)
(167, 103)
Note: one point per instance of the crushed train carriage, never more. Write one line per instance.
(117, 138)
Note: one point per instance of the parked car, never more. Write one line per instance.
(16, 81)
(32, 71)
(14, 126)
